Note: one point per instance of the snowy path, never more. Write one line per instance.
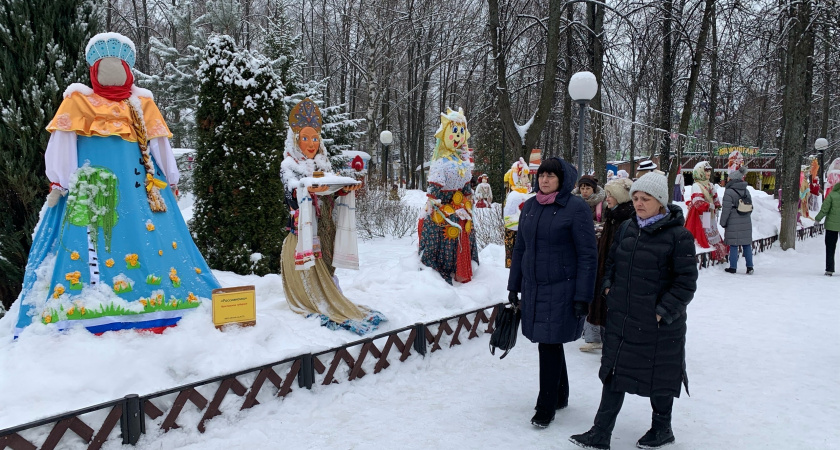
(762, 360)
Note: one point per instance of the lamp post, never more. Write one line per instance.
(386, 138)
(820, 145)
(582, 88)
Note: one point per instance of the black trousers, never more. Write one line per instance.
(554, 378)
(611, 402)
(830, 248)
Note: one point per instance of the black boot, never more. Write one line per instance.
(660, 433)
(594, 438)
(562, 403)
(541, 419)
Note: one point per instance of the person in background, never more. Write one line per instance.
(483, 193)
(645, 167)
(814, 202)
(619, 209)
(738, 225)
(830, 211)
(553, 265)
(644, 350)
(588, 189)
(622, 174)
(610, 175)
(679, 185)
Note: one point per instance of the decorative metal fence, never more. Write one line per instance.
(188, 405)
(705, 260)
(195, 403)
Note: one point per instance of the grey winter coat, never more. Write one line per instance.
(738, 226)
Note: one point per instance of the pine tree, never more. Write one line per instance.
(339, 132)
(239, 213)
(282, 46)
(41, 51)
(175, 83)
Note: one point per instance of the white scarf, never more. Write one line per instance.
(294, 168)
(305, 251)
(346, 251)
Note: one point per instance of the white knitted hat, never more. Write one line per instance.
(654, 183)
(619, 189)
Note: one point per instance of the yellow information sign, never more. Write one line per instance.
(235, 305)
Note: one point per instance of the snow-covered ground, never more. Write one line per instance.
(44, 374)
(760, 360)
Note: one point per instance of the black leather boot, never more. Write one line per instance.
(541, 419)
(660, 433)
(594, 438)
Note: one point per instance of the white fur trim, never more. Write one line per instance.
(141, 92)
(77, 87)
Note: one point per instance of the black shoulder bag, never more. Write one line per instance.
(506, 329)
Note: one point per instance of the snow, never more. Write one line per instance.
(523, 129)
(766, 220)
(182, 151)
(753, 383)
(760, 362)
(350, 154)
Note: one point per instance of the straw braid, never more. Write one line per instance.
(156, 202)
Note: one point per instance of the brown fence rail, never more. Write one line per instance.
(195, 403)
(705, 260)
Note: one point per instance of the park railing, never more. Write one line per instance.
(192, 405)
(705, 260)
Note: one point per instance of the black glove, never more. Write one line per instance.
(513, 298)
(581, 309)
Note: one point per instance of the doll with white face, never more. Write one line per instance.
(316, 244)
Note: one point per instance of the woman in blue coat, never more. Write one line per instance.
(553, 266)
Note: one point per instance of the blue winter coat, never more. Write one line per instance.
(554, 263)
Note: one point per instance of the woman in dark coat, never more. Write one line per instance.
(650, 277)
(738, 225)
(553, 266)
(619, 209)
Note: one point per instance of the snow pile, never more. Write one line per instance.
(766, 219)
(750, 388)
(46, 374)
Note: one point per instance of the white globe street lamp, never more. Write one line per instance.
(583, 86)
(386, 138)
(820, 145)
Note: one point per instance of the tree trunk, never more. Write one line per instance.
(555, 15)
(566, 124)
(796, 110)
(665, 86)
(713, 78)
(595, 18)
(522, 144)
(688, 103)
